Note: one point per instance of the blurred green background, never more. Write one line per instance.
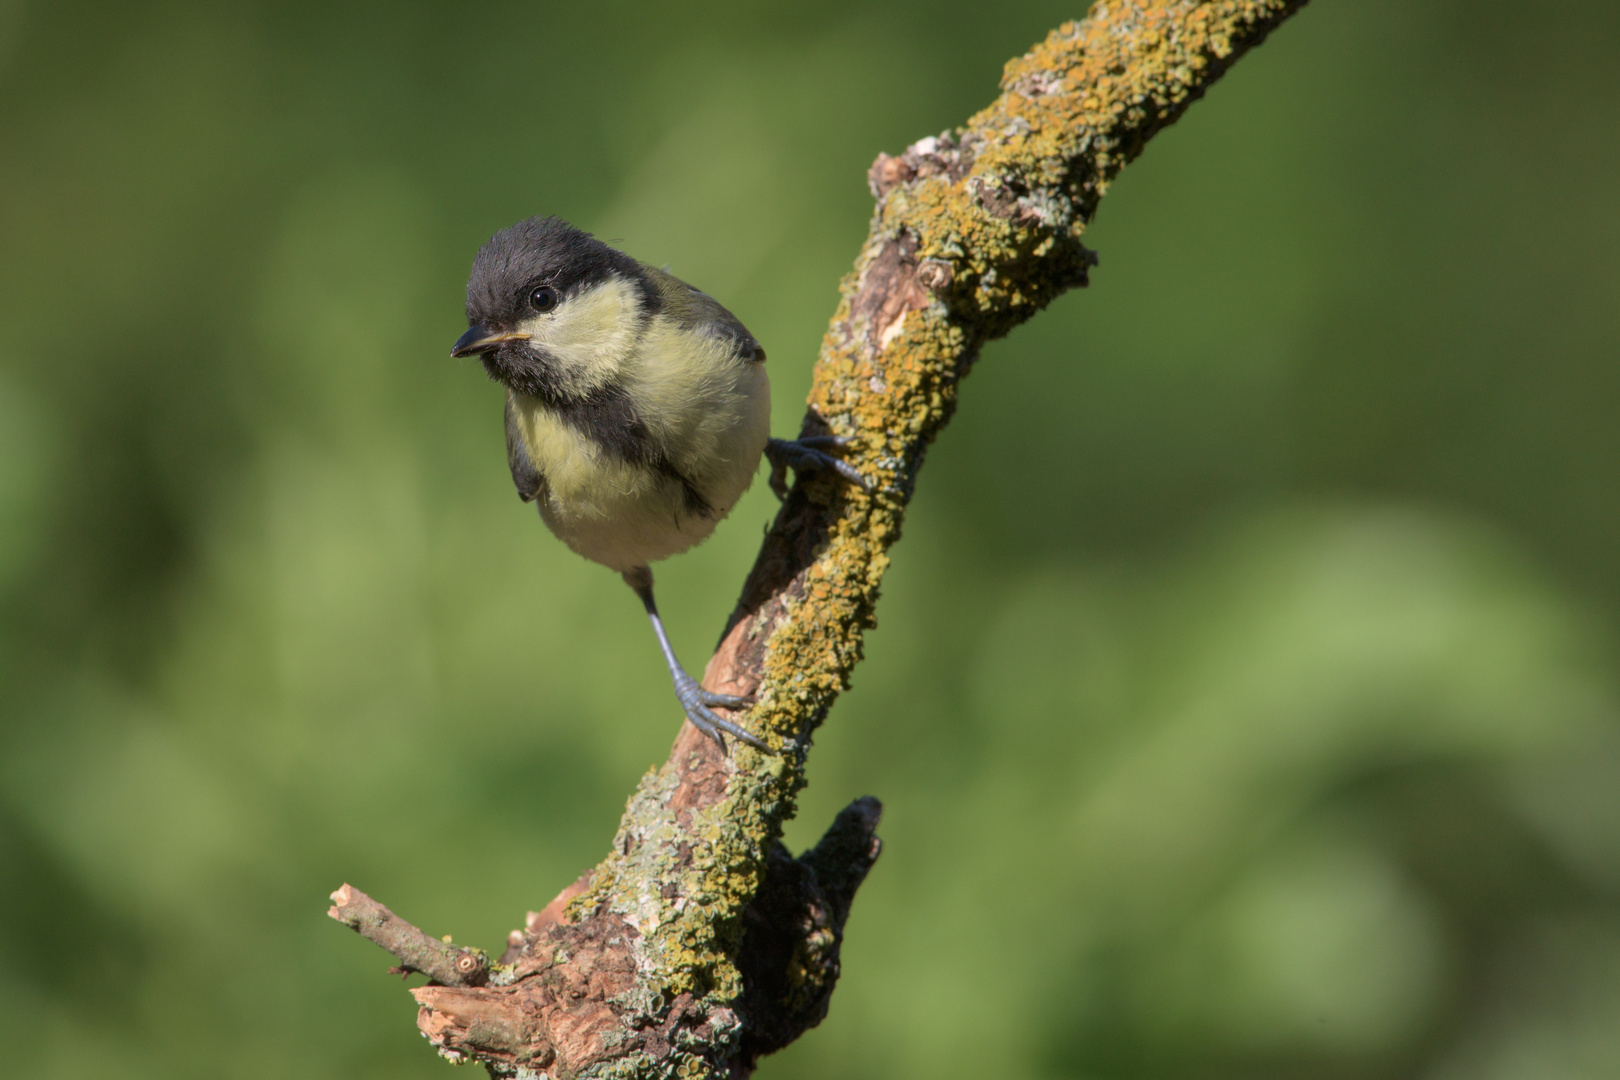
(1245, 700)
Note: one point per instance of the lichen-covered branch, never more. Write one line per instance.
(699, 944)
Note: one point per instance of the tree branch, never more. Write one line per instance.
(699, 944)
(417, 952)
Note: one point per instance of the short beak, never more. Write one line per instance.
(481, 339)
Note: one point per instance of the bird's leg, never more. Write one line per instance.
(695, 701)
(808, 453)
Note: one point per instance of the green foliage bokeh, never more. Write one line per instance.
(1245, 700)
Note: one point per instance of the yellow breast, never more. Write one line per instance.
(706, 414)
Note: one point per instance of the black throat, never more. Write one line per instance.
(605, 415)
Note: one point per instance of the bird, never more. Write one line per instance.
(637, 411)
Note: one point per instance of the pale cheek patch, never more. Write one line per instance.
(591, 334)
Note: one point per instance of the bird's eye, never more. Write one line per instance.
(544, 298)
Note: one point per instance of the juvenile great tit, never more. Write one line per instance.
(637, 410)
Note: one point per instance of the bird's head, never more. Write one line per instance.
(552, 311)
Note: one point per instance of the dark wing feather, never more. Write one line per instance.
(527, 478)
(693, 307)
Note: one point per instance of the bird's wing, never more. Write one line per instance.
(529, 480)
(693, 307)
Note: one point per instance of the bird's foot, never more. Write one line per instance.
(699, 705)
(810, 452)
(724, 701)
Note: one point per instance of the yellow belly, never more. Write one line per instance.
(711, 417)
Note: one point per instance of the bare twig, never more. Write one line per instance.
(698, 943)
(417, 952)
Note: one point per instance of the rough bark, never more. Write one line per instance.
(699, 943)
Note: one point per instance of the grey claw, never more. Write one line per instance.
(695, 702)
(805, 453)
(707, 728)
(848, 472)
(724, 701)
(711, 725)
(816, 442)
(820, 459)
